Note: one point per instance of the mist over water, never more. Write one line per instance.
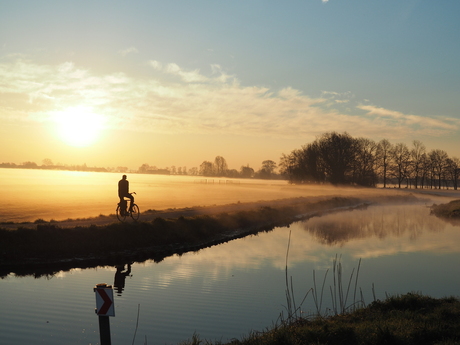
(58, 195)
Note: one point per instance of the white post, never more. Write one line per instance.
(104, 309)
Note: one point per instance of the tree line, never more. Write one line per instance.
(48, 165)
(341, 159)
(219, 168)
(335, 158)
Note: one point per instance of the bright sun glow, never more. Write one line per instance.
(79, 127)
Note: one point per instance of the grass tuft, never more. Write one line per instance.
(409, 319)
(449, 210)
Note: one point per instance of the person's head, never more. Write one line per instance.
(124, 177)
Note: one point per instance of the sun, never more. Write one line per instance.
(79, 126)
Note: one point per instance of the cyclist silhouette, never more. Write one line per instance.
(123, 192)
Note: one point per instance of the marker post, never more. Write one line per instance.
(104, 309)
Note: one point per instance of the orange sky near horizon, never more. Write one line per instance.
(164, 84)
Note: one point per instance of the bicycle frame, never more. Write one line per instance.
(122, 210)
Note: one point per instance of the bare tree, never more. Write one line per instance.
(47, 162)
(220, 166)
(383, 159)
(425, 168)
(246, 171)
(144, 168)
(416, 155)
(29, 165)
(453, 170)
(233, 173)
(292, 166)
(268, 167)
(338, 156)
(284, 164)
(401, 158)
(206, 168)
(439, 161)
(303, 165)
(365, 162)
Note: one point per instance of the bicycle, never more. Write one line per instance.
(123, 212)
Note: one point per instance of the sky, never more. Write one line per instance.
(175, 83)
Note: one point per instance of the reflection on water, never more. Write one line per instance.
(120, 277)
(386, 230)
(380, 222)
(224, 291)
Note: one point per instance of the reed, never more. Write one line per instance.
(137, 324)
(339, 295)
(293, 311)
(409, 319)
(340, 292)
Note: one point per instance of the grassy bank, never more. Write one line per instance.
(449, 210)
(44, 248)
(48, 248)
(410, 319)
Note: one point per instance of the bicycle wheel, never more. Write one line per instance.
(135, 213)
(120, 217)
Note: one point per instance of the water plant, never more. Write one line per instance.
(340, 292)
(448, 210)
(293, 311)
(409, 319)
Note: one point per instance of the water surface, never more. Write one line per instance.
(225, 291)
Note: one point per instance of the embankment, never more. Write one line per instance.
(47, 248)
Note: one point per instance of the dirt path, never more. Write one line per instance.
(372, 194)
(150, 215)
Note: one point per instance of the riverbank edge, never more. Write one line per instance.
(409, 319)
(450, 210)
(48, 248)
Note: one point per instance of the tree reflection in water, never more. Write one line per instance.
(377, 221)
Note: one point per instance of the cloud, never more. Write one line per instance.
(334, 98)
(187, 76)
(425, 125)
(189, 101)
(156, 65)
(194, 76)
(289, 93)
(130, 50)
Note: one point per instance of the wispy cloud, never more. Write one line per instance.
(218, 75)
(337, 97)
(187, 76)
(191, 101)
(426, 125)
(130, 50)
